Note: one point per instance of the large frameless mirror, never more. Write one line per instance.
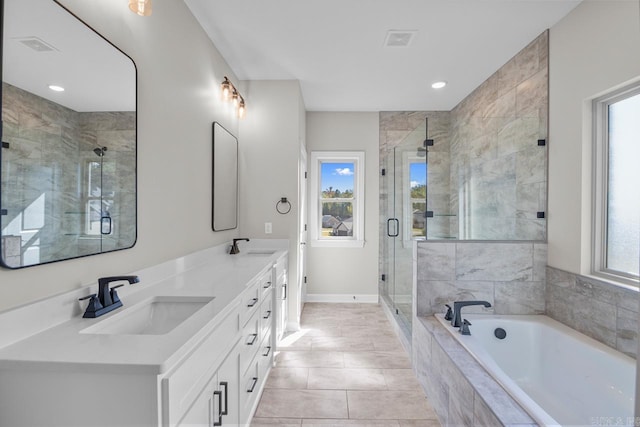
(68, 157)
(225, 179)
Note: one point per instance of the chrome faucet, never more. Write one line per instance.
(106, 299)
(456, 322)
(234, 246)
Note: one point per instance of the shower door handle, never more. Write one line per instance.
(105, 225)
(397, 227)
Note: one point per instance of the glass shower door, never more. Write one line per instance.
(406, 183)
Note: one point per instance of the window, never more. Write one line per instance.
(415, 196)
(337, 199)
(98, 204)
(617, 185)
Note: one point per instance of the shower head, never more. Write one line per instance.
(100, 151)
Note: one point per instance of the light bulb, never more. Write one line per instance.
(439, 85)
(140, 7)
(226, 89)
(241, 109)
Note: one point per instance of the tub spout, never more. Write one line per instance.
(456, 322)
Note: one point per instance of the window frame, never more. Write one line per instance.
(407, 201)
(315, 192)
(600, 184)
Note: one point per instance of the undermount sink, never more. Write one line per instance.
(156, 316)
(261, 252)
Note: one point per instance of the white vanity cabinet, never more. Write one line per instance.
(209, 371)
(282, 293)
(218, 404)
(255, 360)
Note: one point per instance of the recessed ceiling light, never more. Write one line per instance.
(56, 88)
(438, 85)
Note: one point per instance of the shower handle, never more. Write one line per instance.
(397, 227)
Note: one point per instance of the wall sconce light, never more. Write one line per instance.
(140, 7)
(230, 93)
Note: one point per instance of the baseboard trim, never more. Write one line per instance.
(343, 298)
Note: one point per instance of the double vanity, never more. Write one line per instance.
(192, 345)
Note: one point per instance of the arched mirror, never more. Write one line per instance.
(68, 157)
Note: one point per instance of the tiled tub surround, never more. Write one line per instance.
(600, 310)
(510, 275)
(50, 147)
(461, 392)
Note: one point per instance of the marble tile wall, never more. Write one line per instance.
(496, 164)
(49, 144)
(605, 312)
(509, 275)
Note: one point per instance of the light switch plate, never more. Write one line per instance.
(268, 228)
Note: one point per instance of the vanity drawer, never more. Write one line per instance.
(249, 391)
(265, 356)
(250, 342)
(183, 384)
(266, 315)
(250, 302)
(266, 283)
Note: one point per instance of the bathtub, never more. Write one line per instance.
(558, 375)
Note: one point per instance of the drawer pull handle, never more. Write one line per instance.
(267, 285)
(268, 351)
(253, 302)
(219, 394)
(253, 339)
(254, 381)
(266, 316)
(225, 384)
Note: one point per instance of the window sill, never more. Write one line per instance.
(337, 243)
(613, 280)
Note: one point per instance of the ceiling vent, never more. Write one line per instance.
(36, 44)
(399, 38)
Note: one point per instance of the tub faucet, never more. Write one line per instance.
(234, 246)
(456, 322)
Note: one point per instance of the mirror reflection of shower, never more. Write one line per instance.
(100, 151)
(100, 222)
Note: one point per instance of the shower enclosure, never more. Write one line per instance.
(408, 212)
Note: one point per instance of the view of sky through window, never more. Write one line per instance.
(337, 176)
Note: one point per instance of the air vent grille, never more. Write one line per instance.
(399, 38)
(36, 44)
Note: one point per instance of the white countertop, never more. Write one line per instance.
(208, 273)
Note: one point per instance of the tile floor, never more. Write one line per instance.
(345, 367)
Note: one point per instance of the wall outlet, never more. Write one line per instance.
(268, 228)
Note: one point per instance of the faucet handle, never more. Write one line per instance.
(94, 304)
(464, 329)
(449, 314)
(114, 294)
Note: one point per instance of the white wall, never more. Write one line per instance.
(592, 50)
(179, 73)
(347, 271)
(271, 135)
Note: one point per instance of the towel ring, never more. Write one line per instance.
(287, 209)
